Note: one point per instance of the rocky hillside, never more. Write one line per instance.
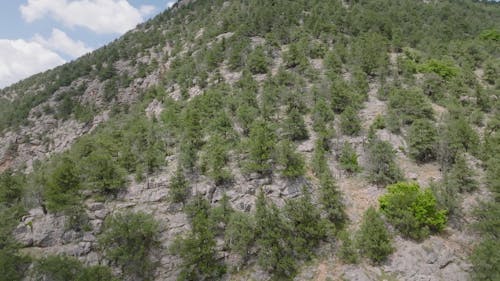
(262, 140)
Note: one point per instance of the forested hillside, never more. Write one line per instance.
(262, 140)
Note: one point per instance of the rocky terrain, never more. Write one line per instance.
(40, 233)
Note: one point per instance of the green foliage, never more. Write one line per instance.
(331, 201)
(127, 240)
(373, 240)
(62, 268)
(63, 186)
(322, 115)
(13, 265)
(486, 260)
(11, 187)
(291, 161)
(412, 211)
(273, 240)
(215, 159)
(306, 224)
(239, 234)
(347, 251)
(348, 159)
(197, 247)
(443, 68)
(406, 106)
(294, 127)
(422, 140)
(350, 123)
(102, 174)
(370, 52)
(381, 163)
(296, 56)
(461, 176)
(456, 136)
(319, 161)
(261, 143)
(490, 34)
(179, 188)
(257, 61)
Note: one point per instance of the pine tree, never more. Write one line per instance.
(306, 224)
(422, 140)
(292, 162)
(179, 188)
(461, 177)
(262, 141)
(349, 159)
(331, 201)
(294, 127)
(373, 239)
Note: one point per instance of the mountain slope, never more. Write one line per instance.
(247, 140)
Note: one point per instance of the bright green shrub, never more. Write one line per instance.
(412, 211)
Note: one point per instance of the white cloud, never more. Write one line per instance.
(20, 59)
(170, 4)
(100, 16)
(61, 42)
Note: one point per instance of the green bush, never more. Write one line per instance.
(306, 224)
(373, 240)
(422, 140)
(486, 260)
(381, 163)
(347, 251)
(412, 211)
(239, 235)
(63, 186)
(331, 201)
(63, 268)
(197, 248)
(406, 106)
(179, 188)
(261, 143)
(127, 240)
(445, 69)
(292, 162)
(348, 159)
(294, 126)
(11, 187)
(257, 61)
(461, 176)
(350, 123)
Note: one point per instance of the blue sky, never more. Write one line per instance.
(36, 35)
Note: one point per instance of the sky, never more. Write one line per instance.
(36, 35)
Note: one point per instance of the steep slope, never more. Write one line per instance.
(237, 139)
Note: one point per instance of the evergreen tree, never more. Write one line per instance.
(257, 61)
(461, 176)
(273, 240)
(262, 141)
(239, 234)
(331, 201)
(292, 162)
(306, 225)
(179, 187)
(373, 239)
(349, 159)
(347, 251)
(63, 186)
(382, 166)
(319, 161)
(294, 127)
(350, 123)
(422, 140)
